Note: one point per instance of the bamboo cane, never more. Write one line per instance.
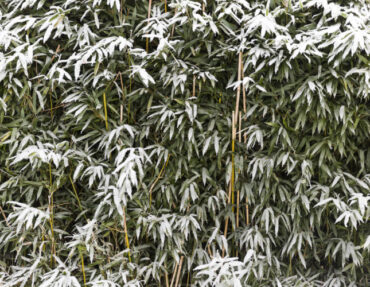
(178, 271)
(126, 233)
(174, 274)
(149, 10)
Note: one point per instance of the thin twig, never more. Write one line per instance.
(3, 213)
(156, 180)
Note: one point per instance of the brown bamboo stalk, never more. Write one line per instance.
(174, 274)
(121, 11)
(166, 278)
(173, 27)
(209, 251)
(123, 98)
(233, 136)
(238, 89)
(245, 135)
(121, 114)
(149, 10)
(179, 271)
(238, 195)
(240, 127)
(231, 186)
(244, 96)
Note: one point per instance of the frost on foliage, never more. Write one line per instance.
(117, 152)
(26, 216)
(47, 153)
(99, 52)
(222, 272)
(60, 276)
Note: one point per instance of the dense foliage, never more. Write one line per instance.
(184, 143)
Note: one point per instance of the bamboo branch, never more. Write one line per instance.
(156, 180)
(6, 220)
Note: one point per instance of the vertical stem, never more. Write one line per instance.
(126, 233)
(121, 11)
(238, 89)
(105, 111)
(174, 274)
(165, 6)
(83, 268)
(194, 85)
(166, 276)
(237, 208)
(156, 180)
(238, 194)
(129, 61)
(149, 10)
(227, 220)
(233, 138)
(76, 194)
(51, 103)
(123, 98)
(173, 26)
(240, 127)
(75, 191)
(51, 208)
(247, 210)
(179, 271)
(244, 96)
(233, 160)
